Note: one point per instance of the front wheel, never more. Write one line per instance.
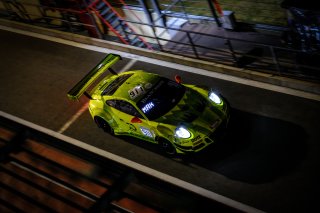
(104, 125)
(166, 146)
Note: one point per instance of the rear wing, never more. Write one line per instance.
(80, 88)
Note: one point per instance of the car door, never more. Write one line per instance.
(119, 111)
(130, 121)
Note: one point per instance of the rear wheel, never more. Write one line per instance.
(166, 146)
(104, 125)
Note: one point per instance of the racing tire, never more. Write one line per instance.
(166, 147)
(104, 125)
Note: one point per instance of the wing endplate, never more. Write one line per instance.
(80, 88)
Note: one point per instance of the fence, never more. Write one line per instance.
(247, 11)
(276, 60)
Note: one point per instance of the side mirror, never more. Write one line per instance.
(136, 120)
(178, 79)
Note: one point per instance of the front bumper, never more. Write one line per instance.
(206, 140)
(215, 136)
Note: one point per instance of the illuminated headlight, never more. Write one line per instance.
(214, 97)
(182, 132)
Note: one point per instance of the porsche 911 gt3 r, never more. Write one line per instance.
(180, 118)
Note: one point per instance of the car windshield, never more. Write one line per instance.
(160, 99)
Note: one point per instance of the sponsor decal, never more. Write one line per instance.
(147, 107)
(146, 132)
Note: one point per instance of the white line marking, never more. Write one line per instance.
(85, 106)
(128, 66)
(185, 68)
(74, 118)
(139, 167)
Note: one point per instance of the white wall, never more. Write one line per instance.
(138, 15)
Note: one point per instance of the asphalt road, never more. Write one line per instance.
(269, 158)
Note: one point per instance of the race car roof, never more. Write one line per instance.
(135, 84)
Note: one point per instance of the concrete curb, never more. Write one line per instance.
(210, 66)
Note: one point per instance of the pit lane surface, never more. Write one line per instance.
(268, 160)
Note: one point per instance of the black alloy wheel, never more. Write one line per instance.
(167, 147)
(104, 125)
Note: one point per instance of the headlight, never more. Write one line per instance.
(214, 97)
(182, 132)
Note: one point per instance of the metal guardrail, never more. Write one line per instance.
(42, 173)
(265, 58)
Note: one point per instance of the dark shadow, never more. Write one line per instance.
(250, 57)
(244, 27)
(309, 64)
(143, 144)
(256, 149)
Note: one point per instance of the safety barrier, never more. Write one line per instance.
(44, 171)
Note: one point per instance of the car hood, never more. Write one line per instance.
(193, 111)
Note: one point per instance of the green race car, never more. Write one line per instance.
(180, 118)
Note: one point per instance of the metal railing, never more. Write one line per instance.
(43, 173)
(276, 60)
(247, 11)
(229, 51)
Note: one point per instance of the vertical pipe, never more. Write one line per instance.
(275, 59)
(161, 17)
(150, 20)
(234, 57)
(156, 37)
(146, 11)
(214, 14)
(192, 45)
(184, 11)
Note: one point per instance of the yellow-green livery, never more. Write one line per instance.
(179, 118)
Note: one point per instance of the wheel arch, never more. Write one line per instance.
(169, 148)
